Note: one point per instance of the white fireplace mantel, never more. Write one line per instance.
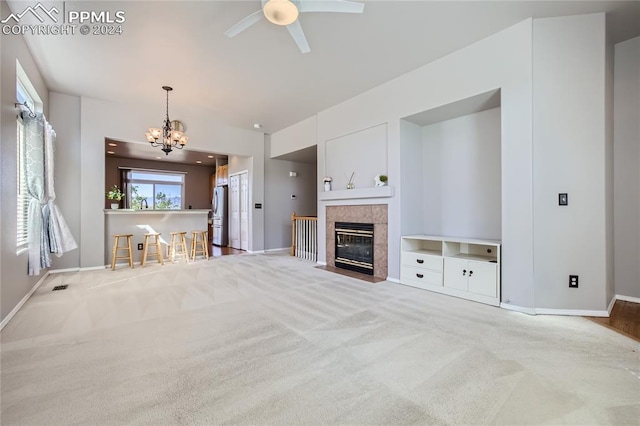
(352, 194)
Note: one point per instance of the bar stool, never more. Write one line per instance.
(117, 247)
(155, 243)
(199, 238)
(178, 240)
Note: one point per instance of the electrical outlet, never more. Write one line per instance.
(139, 246)
(573, 281)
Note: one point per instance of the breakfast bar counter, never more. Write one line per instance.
(140, 222)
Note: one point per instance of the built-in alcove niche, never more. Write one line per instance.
(451, 169)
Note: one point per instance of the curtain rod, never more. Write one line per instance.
(32, 114)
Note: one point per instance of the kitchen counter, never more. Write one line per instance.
(140, 222)
(150, 211)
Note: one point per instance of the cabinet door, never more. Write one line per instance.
(456, 274)
(482, 278)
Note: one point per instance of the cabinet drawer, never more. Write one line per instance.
(420, 260)
(413, 275)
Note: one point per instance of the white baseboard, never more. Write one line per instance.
(91, 268)
(255, 252)
(515, 308)
(572, 312)
(15, 310)
(393, 280)
(277, 250)
(321, 263)
(627, 298)
(99, 268)
(613, 302)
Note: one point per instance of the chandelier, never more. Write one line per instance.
(172, 137)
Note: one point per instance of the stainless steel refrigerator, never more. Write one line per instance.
(220, 208)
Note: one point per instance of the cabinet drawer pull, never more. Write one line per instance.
(464, 272)
(420, 260)
(419, 275)
(470, 273)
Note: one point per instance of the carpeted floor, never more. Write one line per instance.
(269, 339)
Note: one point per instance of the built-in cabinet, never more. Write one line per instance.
(222, 175)
(466, 268)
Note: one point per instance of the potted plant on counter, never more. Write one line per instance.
(115, 194)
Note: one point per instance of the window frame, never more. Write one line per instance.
(131, 181)
(22, 190)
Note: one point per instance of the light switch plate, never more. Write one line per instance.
(563, 199)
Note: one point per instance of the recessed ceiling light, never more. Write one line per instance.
(199, 162)
(113, 144)
(257, 126)
(110, 152)
(209, 156)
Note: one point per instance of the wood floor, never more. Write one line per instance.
(625, 319)
(216, 251)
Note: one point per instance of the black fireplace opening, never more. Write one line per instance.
(354, 247)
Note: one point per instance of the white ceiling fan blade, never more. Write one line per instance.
(296, 32)
(244, 24)
(342, 6)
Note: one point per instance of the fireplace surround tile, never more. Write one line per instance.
(380, 233)
(379, 213)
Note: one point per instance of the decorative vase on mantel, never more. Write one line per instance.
(115, 206)
(350, 185)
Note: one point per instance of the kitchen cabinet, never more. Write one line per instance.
(222, 175)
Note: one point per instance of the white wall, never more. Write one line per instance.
(15, 284)
(65, 118)
(627, 168)
(344, 155)
(278, 205)
(502, 60)
(569, 154)
(294, 138)
(413, 173)
(462, 182)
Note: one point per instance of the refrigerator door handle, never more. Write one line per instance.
(215, 203)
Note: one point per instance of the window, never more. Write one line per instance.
(22, 96)
(155, 190)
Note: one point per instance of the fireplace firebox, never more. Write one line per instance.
(354, 247)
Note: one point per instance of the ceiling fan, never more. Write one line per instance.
(285, 12)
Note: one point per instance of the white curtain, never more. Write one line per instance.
(47, 230)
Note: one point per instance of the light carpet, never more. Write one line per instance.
(269, 339)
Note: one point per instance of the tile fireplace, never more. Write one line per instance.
(369, 214)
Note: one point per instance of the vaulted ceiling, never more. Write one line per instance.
(260, 76)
